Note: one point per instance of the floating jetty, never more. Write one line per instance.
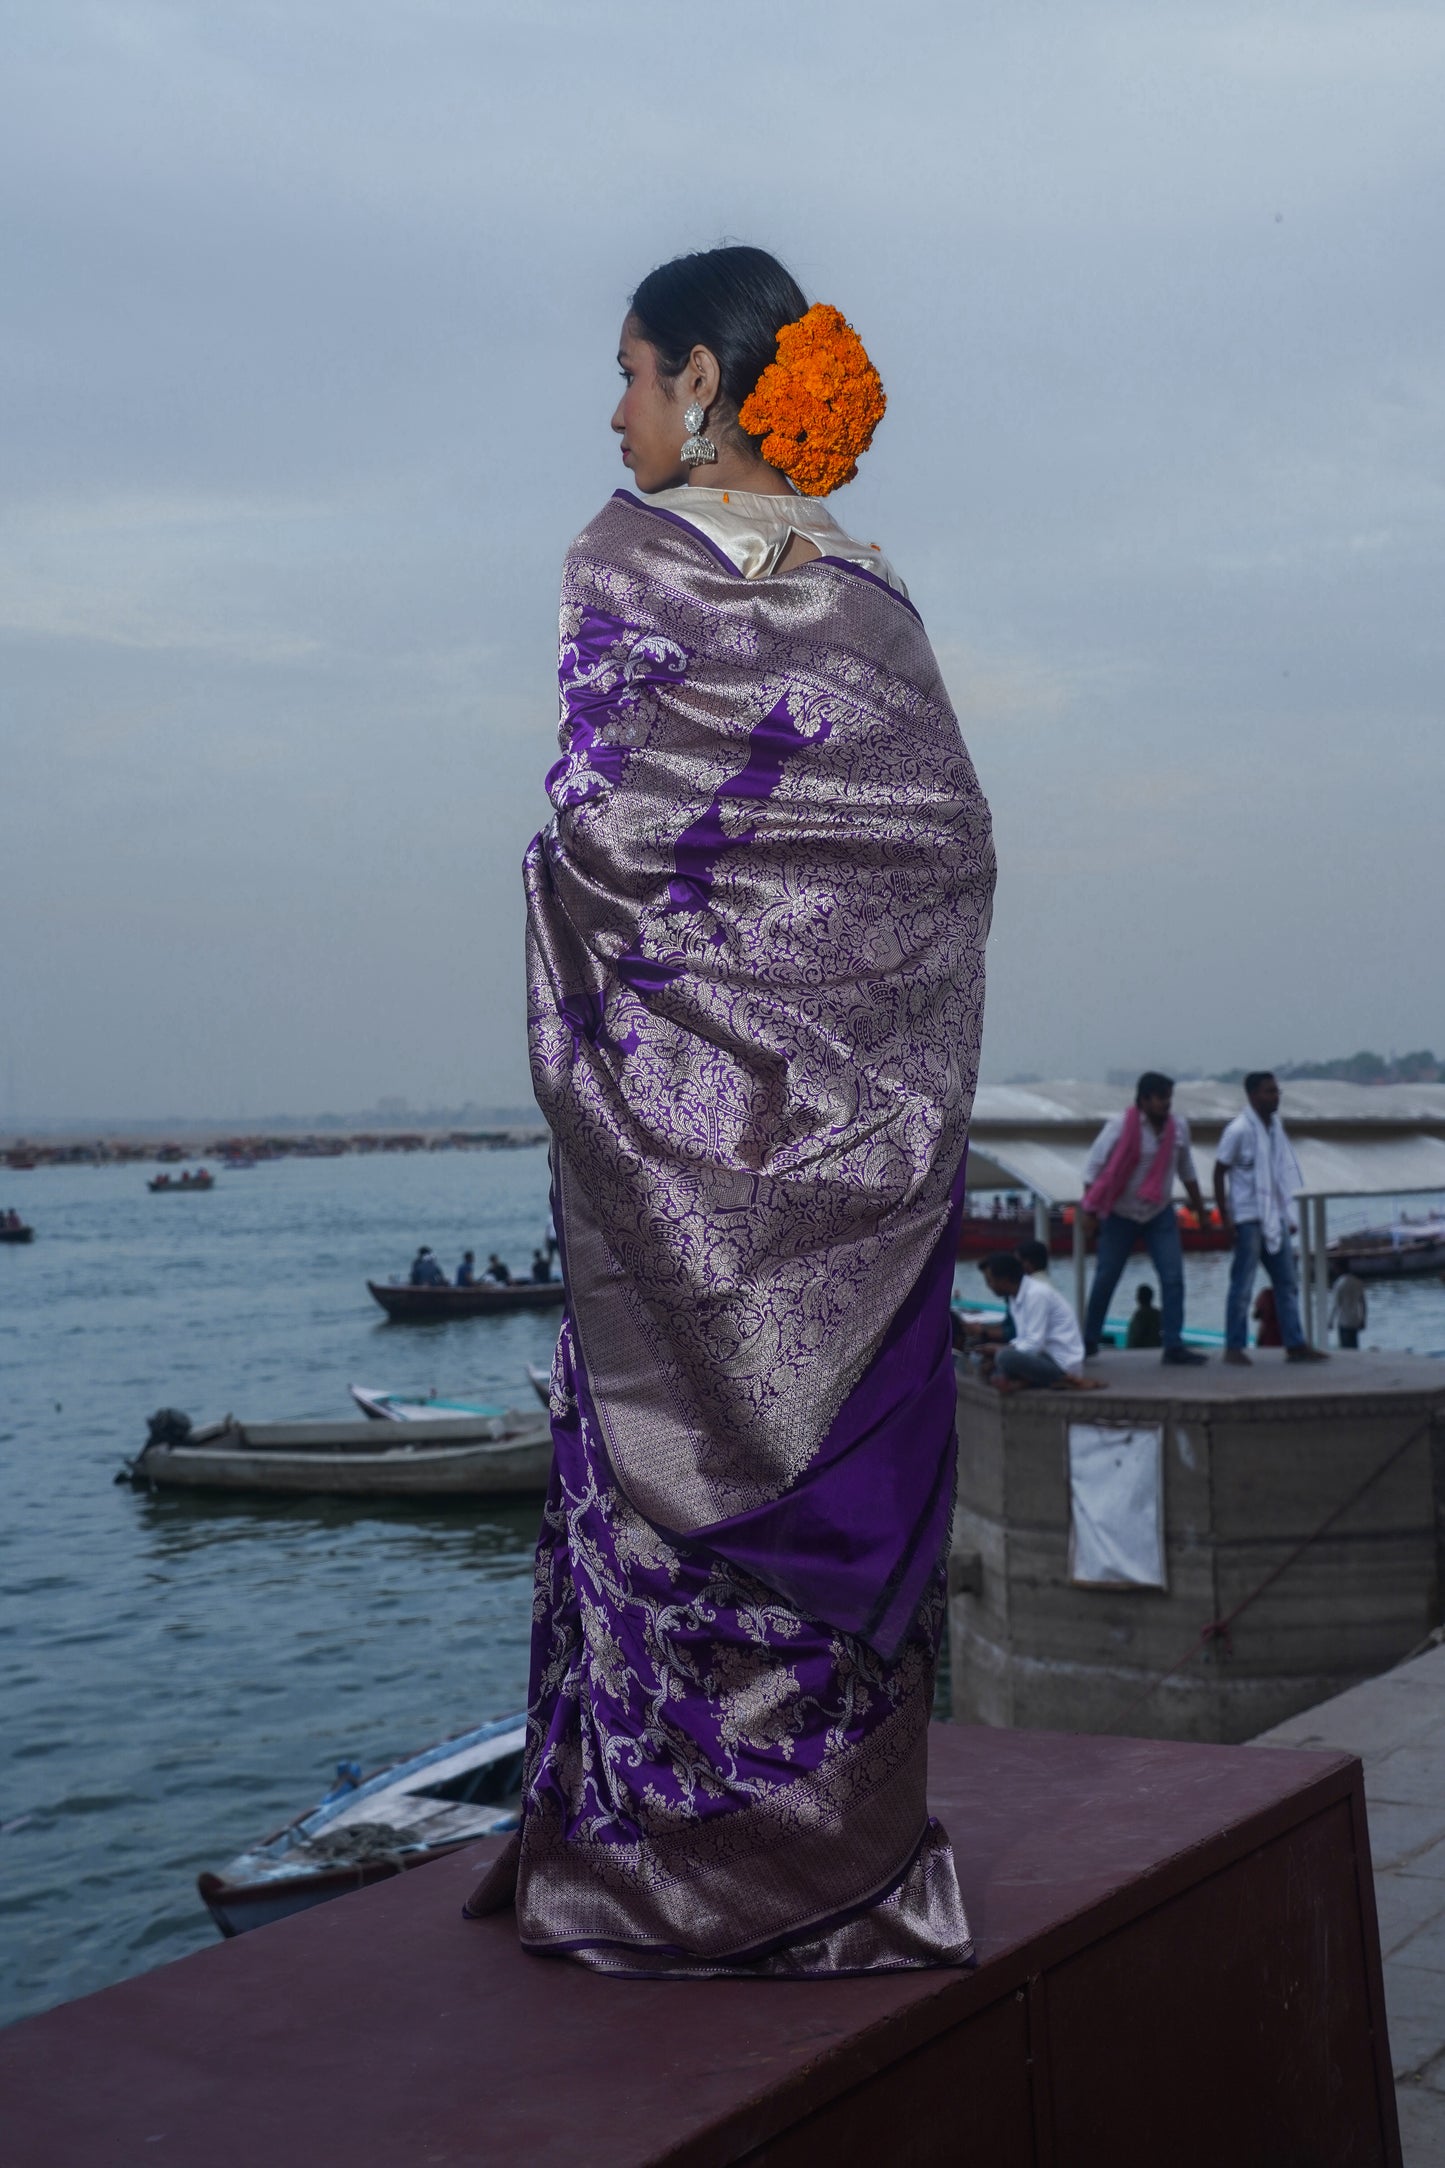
(1300, 1517)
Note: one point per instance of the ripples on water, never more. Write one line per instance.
(180, 1675)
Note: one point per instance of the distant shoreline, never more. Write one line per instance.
(182, 1142)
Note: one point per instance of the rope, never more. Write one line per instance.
(1221, 1629)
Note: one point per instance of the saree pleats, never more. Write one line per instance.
(714, 1784)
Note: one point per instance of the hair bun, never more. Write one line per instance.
(816, 407)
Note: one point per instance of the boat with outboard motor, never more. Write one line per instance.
(502, 1454)
(369, 1829)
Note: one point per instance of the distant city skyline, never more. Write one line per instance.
(311, 319)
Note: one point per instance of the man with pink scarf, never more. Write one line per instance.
(1129, 1185)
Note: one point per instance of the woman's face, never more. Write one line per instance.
(649, 414)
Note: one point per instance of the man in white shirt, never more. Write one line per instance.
(1256, 1177)
(1047, 1347)
(1129, 1179)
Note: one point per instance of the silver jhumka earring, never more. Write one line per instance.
(698, 450)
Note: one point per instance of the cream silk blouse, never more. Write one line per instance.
(753, 531)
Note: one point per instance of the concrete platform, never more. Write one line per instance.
(1255, 1460)
(1178, 1963)
(1396, 1724)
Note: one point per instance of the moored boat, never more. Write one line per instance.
(405, 1303)
(979, 1234)
(423, 1407)
(369, 1829)
(1405, 1249)
(495, 1456)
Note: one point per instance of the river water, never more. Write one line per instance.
(179, 1675)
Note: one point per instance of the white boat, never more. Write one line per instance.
(492, 1456)
(427, 1407)
(368, 1829)
(541, 1384)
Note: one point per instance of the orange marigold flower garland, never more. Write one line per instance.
(816, 407)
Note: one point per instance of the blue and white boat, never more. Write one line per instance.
(432, 1408)
(368, 1829)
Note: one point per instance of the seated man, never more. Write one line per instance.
(1145, 1326)
(1047, 1348)
(497, 1272)
(973, 1332)
(541, 1268)
(425, 1271)
(467, 1270)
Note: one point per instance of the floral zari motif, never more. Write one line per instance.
(755, 955)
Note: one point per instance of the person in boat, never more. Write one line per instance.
(1047, 1347)
(541, 1268)
(1349, 1308)
(1144, 1326)
(1256, 1179)
(756, 932)
(425, 1271)
(498, 1274)
(1129, 1179)
(467, 1269)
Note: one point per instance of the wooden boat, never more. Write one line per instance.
(167, 1185)
(368, 1829)
(1406, 1249)
(979, 1234)
(17, 1234)
(504, 1456)
(405, 1304)
(422, 1407)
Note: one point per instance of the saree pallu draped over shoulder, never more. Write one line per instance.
(756, 934)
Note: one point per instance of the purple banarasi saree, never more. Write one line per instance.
(755, 954)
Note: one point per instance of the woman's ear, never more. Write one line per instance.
(704, 377)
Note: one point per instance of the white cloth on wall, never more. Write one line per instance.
(1116, 1505)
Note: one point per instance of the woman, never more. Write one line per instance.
(755, 958)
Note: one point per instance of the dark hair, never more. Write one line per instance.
(1145, 1296)
(1004, 1265)
(1153, 1084)
(1033, 1256)
(734, 301)
(1255, 1078)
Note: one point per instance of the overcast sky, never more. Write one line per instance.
(308, 313)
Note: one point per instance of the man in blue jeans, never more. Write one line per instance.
(1256, 1177)
(1129, 1180)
